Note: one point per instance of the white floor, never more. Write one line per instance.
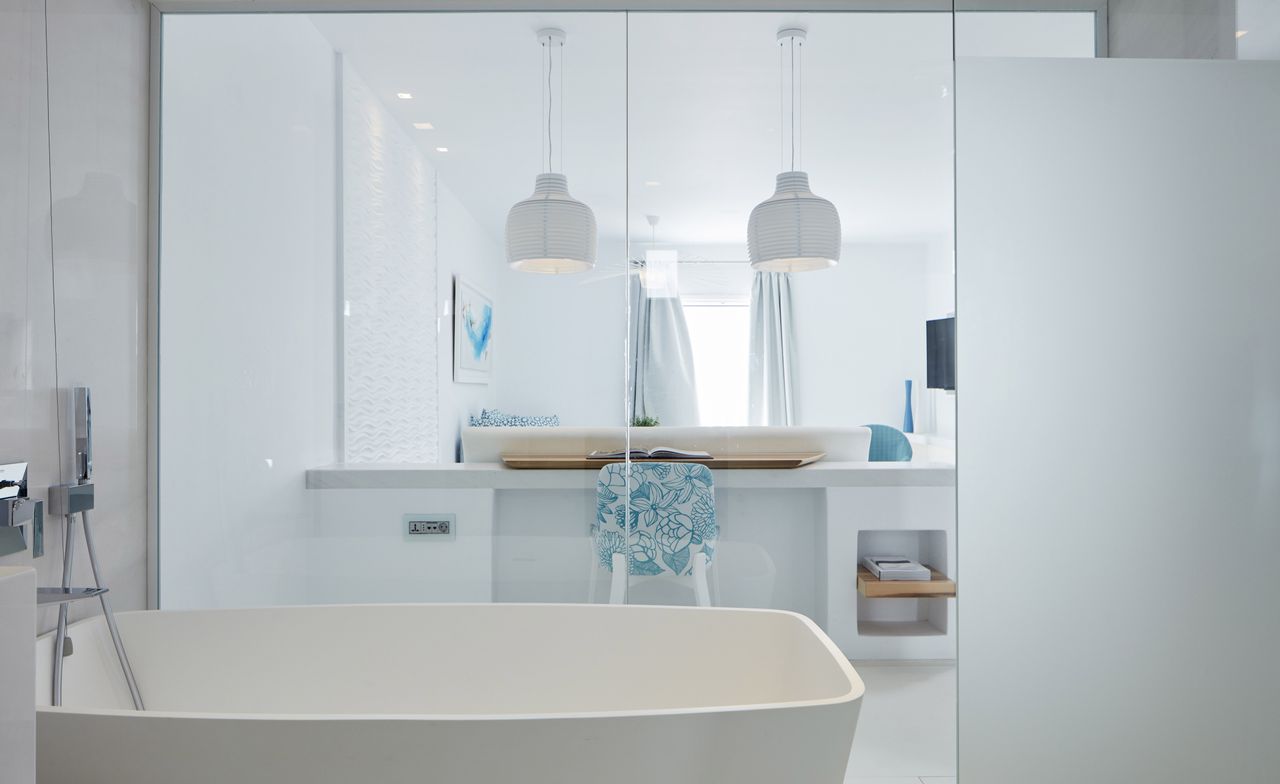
(907, 727)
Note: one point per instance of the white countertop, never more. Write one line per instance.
(495, 476)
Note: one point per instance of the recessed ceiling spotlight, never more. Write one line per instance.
(1241, 33)
(442, 149)
(652, 183)
(404, 96)
(424, 126)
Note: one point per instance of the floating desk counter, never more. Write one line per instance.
(749, 461)
(790, 538)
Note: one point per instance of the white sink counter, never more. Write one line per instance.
(495, 476)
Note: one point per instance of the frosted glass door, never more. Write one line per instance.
(1119, 485)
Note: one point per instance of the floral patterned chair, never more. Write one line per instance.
(652, 520)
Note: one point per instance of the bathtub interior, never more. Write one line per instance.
(454, 660)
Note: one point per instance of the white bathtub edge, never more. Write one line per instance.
(855, 692)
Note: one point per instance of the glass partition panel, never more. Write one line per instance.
(346, 353)
(775, 319)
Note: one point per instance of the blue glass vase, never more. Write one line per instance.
(908, 422)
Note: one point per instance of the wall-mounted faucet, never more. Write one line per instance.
(68, 500)
(21, 517)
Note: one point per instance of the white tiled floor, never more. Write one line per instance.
(907, 727)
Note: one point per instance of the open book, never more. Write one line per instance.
(657, 453)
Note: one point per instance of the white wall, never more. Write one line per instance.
(94, 279)
(1117, 296)
(1260, 21)
(248, 292)
(860, 333)
(558, 344)
(1172, 29)
(464, 249)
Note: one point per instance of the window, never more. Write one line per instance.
(719, 333)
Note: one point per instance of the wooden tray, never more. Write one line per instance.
(938, 586)
(772, 460)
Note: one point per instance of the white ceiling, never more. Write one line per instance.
(689, 100)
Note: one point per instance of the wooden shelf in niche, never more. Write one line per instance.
(937, 587)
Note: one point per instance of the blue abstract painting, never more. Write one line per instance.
(472, 334)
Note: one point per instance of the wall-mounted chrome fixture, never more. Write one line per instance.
(69, 500)
(21, 517)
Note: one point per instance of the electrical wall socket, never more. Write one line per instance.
(430, 527)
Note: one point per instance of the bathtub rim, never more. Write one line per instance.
(856, 688)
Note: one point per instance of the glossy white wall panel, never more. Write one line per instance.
(248, 294)
(98, 77)
(94, 91)
(28, 402)
(1118, 280)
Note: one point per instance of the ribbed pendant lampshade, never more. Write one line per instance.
(551, 232)
(793, 230)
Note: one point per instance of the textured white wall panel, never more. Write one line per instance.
(391, 392)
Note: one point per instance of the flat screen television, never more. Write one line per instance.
(940, 339)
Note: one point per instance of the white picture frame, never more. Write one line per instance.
(473, 320)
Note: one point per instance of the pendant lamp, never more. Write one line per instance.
(551, 232)
(793, 230)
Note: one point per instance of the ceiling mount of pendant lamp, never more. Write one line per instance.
(793, 230)
(660, 274)
(551, 232)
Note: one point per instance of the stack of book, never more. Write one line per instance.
(895, 567)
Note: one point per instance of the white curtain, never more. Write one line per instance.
(662, 377)
(769, 398)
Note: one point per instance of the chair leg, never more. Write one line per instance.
(618, 588)
(714, 583)
(700, 592)
(593, 577)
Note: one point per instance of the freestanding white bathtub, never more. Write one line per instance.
(481, 694)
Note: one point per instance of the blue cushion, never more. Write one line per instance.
(888, 445)
(492, 417)
(660, 515)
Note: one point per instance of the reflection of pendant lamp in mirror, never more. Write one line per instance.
(793, 230)
(551, 232)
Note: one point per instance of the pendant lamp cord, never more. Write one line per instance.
(796, 121)
(542, 104)
(551, 101)
(799, 89)
(782, 107)
(562, 107)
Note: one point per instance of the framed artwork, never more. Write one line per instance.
(472, 334)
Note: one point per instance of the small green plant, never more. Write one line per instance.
(644, 421)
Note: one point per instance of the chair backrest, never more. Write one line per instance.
(889, 445)
(657, 514)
